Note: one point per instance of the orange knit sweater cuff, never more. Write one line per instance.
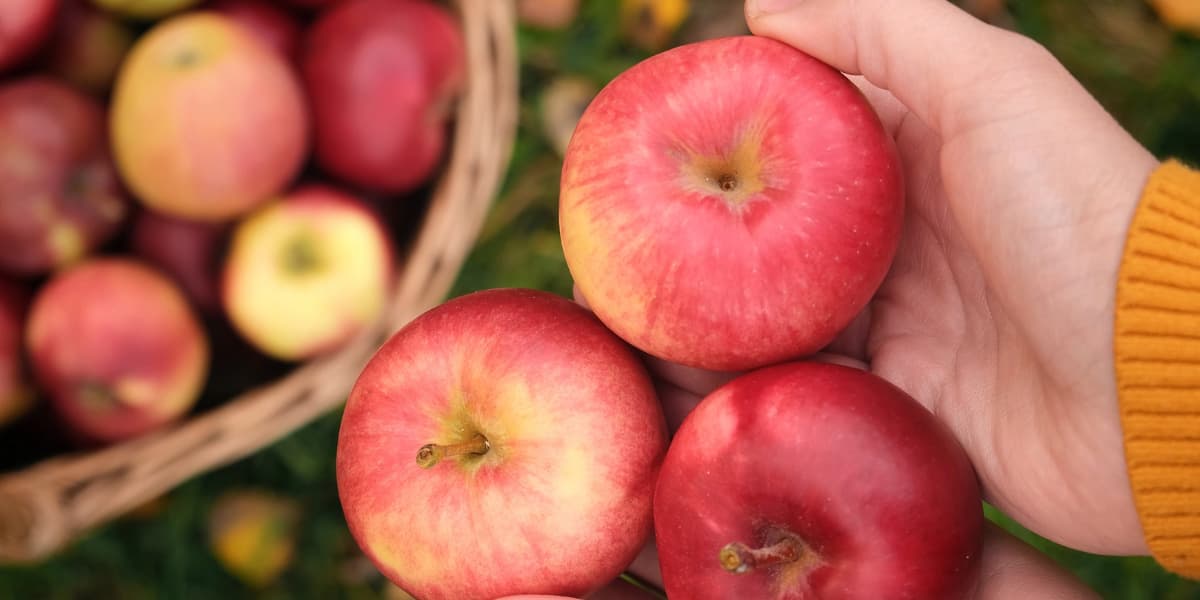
(1157, 355)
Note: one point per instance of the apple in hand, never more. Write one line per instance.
(730, 204)
(88, 46)
(60, 197)
(270, 23)
(15, 393)
(502, 443)
(117, 349)
(207, 122)
(813, 480)
(187, 251)
(305, 274)
(381, 75)
(24, 24)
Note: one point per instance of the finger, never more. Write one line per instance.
(621, 590)
(890, 110)
(697, 381)
(645, 566)
(1014, 569)
(677, 403)
(852, 341)
(939, 61)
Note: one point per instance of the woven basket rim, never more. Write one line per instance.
(49, 504)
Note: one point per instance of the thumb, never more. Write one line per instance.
(943, 64)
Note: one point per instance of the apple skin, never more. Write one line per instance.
(560, 504)
(270, 23)
(117, 349)
(380, 75)
(180, 146)
(87, 47)
(338, 285)
(312, 4)
(877, 488)
(24, 25)
(60, 197)
(15, 393)
(730, 279)
(187, 251)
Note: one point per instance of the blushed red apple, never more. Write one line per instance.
(87, 46)
(116, 347)
(305, 274)
(730, 203)
(813, 480)
(187, 251)
(207, 123)
(60, 197)
(24, 24)
(270, 23)
(381, 76)
(504, 442)
(16, 395)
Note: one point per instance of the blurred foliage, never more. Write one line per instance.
(1145, 74)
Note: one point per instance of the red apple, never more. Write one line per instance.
(811, 480)
(730, 204)
(381, 75)
(536, 436)
(188, 251)
(116, 348)
(24, 24)
(59, 193)
(207, 122)
(312, 4)
(306, 274)
(88, 46)
(15, 393)
(270, 23)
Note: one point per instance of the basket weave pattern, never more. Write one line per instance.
(46, 506)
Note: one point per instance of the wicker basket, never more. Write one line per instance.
(46, 506)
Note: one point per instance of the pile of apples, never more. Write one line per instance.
(171, 168)
(727, 209)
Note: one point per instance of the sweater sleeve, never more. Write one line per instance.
(1157, 359)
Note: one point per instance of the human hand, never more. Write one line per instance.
(998, 311)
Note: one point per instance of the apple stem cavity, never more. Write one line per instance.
(431, 454)
(738, 558)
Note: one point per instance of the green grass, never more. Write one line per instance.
(1143, 74)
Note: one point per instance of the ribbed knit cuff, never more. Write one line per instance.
(1157, 355)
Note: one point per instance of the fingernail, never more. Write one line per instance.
(764, 7)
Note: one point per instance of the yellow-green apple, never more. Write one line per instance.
(207, 122)
(305, 274)
(504, 442)
(381, 75)
(187, 251)
(270, 23)
(87, 46)
(730, 204)
(814, 480)
(24, 25)
(144, 9)
(60, 197)
(15, 393)
(117, 349)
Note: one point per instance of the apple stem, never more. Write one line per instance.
(737, 557)
(431, 454)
